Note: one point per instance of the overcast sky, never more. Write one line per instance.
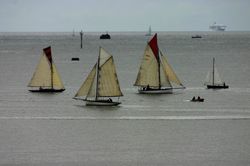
(122, 15)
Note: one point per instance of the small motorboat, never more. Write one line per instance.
(75, 59)
(198, 99)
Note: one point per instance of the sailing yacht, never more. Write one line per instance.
(102, 83)
(213, 80)
(149, 31)
(155, 74)
(46, 77)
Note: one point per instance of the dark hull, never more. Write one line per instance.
(105, 36)
(197, 100)
(101, 103)
(156, 91)
(217, 86)
(47, 90)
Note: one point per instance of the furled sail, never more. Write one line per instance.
(46, 74)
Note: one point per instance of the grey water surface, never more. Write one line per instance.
(53, 129)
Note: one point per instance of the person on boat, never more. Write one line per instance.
(198, 98)
(148, 87)
(193, 99)
(224, 84)
(110, 100)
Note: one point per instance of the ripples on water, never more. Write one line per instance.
(54, 129)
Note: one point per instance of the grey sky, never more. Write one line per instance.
(122, 15)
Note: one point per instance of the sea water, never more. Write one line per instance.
(53, 129)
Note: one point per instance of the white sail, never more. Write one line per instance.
(169, 71)
(148, 72)
(208, 79)
(107, 85)
(217, 79)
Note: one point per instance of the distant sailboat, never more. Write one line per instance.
(213, 80)
(46, 77)
(101, 83)
(155, 74)
(149, 31)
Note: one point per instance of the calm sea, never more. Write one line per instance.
(53, 129)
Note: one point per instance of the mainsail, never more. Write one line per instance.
(46, 74)
(102, 81)
(155, 71)
(213, 77)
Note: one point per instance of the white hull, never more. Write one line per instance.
(156, 91)
(101, 103)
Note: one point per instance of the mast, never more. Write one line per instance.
(213, 72)
(97, 74)
(154, 46)
(51, 69)
(159, 68)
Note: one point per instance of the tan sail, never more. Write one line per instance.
(42, 74)
(108, 81)
(164, 78)
(148, 72)
(88, 88)
(169, 71)
(57, 82)
(108, 85)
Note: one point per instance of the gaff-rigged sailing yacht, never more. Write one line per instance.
(101, 83)
(213, 80)
(155, 74)
(46, 77)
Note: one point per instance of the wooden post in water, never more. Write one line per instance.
(81, 33)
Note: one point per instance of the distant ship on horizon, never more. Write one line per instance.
(217, 27)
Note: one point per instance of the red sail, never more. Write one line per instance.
(154, 46)
(48, 54)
